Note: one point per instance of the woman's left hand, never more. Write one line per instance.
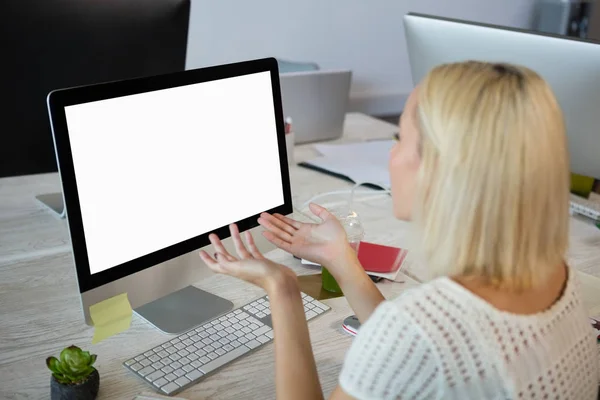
(250, 265)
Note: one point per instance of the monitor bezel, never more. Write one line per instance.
(59, 99)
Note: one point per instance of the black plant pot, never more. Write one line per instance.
(87, 390)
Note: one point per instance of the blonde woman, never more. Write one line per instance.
(482, 171)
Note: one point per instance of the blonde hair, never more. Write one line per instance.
(493, 187)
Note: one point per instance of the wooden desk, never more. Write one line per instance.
(40, 309)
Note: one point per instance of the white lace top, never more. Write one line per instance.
(440, 341)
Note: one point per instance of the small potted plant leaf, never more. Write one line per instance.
(73, 375)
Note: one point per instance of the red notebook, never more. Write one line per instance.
(379, 258)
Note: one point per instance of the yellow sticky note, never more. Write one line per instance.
(110, 317)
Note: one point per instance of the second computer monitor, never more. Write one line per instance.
(570, 66)
(150, 167)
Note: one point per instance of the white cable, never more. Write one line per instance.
(351, 191)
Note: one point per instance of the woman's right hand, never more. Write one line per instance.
(324, 243)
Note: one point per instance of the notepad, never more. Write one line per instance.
(110, 317)
(364, 162)
(378, 260)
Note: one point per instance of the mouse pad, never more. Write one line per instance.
(311, 285)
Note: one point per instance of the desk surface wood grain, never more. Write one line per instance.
(40, 308)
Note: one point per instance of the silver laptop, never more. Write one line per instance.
(317, 102)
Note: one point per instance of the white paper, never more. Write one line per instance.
(365, 162)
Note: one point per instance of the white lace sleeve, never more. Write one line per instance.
(390, 359)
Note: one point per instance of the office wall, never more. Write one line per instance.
(366, 36)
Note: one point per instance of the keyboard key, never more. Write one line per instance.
(322, 306)
(246, 329)
(154, 376)
(219, 327)
(223, 318)
(216, 345)
(261, 314)
(228, 347)
(201, 353)
(243, 339)
(184, 336)
(226, 323)
(145, 362)
(252, 344)
(236, 312)
(269, 334)
(215, 322)
(235, 343)
(237, 326)
(233, 320)
(212, 355)
(207, 341)
(242, 316)
(170, 377)
(171, 350)
(310, 306)
(182, 381)
(263, 339)
(250, 336)
(148, 353)
(146, 371)
(263, 329)
(185, 360)
(203, 335)
(179, 346)
(254, 326)
(163, 354)
(208, 349)
(195, 338)
(192, 376)
(136, 366)
(268, 311)
(224, 340)
(220, 352)
(167, 369)
(183, 353)
(196, 364)
(231, 337)
(193, 356)
(228, 357)
(204, 359)
(310, 314)
(174, 356)
(160, 382)
(179, 372)
(188, 368)
(157, 349)
(176, 365)
(170, 388)
(215, 336)
(239, 333)
(130, 362)
(223, 333)
(252, 310)
(211, 331)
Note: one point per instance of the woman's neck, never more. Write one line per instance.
(530, 301)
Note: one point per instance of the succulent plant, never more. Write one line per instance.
(74, 366)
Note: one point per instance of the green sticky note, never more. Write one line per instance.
(110, 317)
(581, 185)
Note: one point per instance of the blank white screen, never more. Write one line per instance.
(157, 168)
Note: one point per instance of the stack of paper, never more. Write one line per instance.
(365, 162)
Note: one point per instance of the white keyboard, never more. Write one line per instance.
(586, 207)
(183, 361)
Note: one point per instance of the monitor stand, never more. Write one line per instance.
(54, 201)
(183, 310)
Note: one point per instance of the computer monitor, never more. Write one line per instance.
(150, 166)
(571, 67)
(52, 44)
